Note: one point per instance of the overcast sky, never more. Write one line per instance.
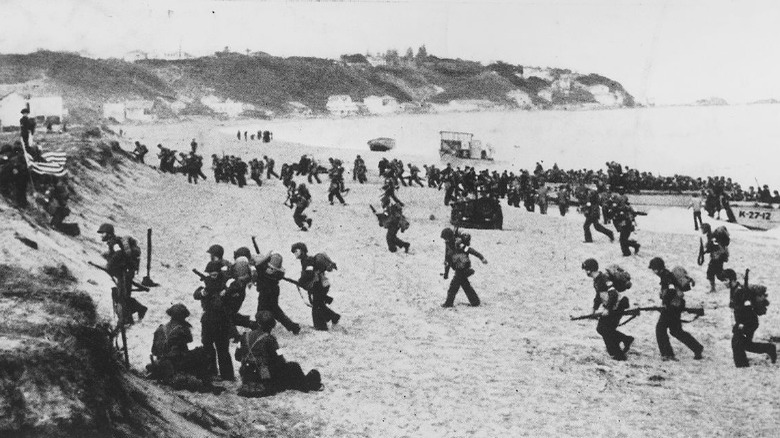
(665, 51)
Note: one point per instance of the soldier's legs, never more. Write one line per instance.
(607, 328)
(676, 330)
(284, 320)
(452, 291)
(586, 229)
(207, 338)
(601, 229)
(661, 335)
(738, 342)
(471, 294)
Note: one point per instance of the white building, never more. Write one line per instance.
(341, 105)
(545, 93)
(299, 109)
(139, 110)
(381, 105)
(135, 55)
(11, 108)
(228, 107)
(541, 73)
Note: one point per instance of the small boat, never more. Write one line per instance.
(757, 215)
(381, 144)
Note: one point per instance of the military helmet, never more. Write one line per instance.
(301, 246)
(178, 311)
(216, 251)
(275, 263)
(447, 234)
(706, 228)
(266, 320)
(214, 267)
(106, 228)
(590, 265)
(657, 264)
(242, 252)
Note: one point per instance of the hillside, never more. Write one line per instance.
(270, 83)
(398, 364)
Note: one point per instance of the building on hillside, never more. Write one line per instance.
(604, 96)
(562, 85)
(381, 104)
(114, 110)
(355, 61)
(43, 108)
(139, 110)
(299, 109)
(228, 107)
(521, 98)
(11, 109)
(466, 105)
(341, 105)
(48, 108)
(376, 61)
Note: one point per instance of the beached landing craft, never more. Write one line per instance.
(381, 144)
(463, 145)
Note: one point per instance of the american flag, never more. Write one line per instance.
(53, 163)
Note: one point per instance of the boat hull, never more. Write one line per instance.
(382, 144)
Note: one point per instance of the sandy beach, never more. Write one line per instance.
(398, 365)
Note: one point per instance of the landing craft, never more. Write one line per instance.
(463, 145)
(381, 144)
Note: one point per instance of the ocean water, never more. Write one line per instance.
(740, 141)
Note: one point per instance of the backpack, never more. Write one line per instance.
(460, 261)
(682, 280)
(131, 251)
(160, 342)
(620, 278)
(323, 263)
(721, 235)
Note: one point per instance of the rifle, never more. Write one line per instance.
(633, 313)
(381, 217)
(254, 243)
(202, 276)
(138, 286)
(700, 258)
(298, 287)
(147, 281)
(118, 298)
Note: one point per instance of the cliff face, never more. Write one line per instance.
(267, 84)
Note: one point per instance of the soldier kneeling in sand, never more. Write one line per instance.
(173, 363)
(265, 372)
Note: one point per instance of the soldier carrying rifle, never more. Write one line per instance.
(608, 306)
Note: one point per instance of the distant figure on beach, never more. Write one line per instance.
(238, 135)
(300, 200)
(27, 126)
(591, 210)
(140, 151)
(194, 146)
(624, 219)
(696, 206)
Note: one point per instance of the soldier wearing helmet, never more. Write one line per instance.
(609, 305)
(314, 281)
(215, 323)
(269, 273)
(456, 256)
(123, 259)
(300, 199)
(673, 302)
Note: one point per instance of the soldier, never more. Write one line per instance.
(171, 354)
(28, 130)
(749, 304)
(300, 199)
(388, 193)
(57, 197)
(395, 222)
(673, 301)
(624, 221)
(14, 174)
(414, 175)
(269, 273)
(140, 151)
(719, 254)
(215, 324)
(315, 282)
(591, 212)
(263, 371)
(270, 163)
(456, 251)
(124, 258)
(336, 182)
(608, 304)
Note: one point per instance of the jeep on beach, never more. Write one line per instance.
(462, 145)
(482, 213)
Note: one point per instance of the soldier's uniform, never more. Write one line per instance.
(749, 304)
(608, 299)
(456, 257)
(269, 273)
(315, 282)
(591, 212)
(673, 302)
(215, 323)
(123, 265)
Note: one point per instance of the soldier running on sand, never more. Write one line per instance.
(591, 210)
(314, 280)
(608, 304)
(456, 256)
(300, 198)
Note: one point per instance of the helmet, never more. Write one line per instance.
(706, 228)
(242, 252)
(729, 275)
(266, 320)
(178, 311)
(301, 246)
(216, 251)
(447, 234)
(590, 265)
(657, 264)
(275, 264)
(106, 228)
(214, 267)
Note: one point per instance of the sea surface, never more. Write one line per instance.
(740, 142)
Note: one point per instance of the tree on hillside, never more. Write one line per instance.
(409, 54)
(391, 57)
(422, 53)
